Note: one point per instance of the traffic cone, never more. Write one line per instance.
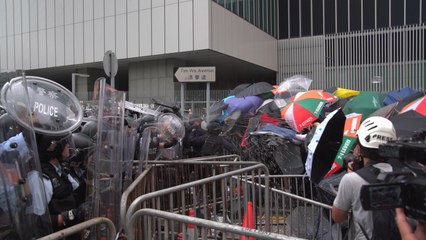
(248, 221)
(190, 228)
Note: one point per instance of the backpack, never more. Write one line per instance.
(384, 225)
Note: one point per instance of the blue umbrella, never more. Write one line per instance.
(396, 96)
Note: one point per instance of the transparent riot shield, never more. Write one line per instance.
(108, 158)
(148, 147)
(130, 136)
(23, 201)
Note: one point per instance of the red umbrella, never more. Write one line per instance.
(418, 105)
(305, 108)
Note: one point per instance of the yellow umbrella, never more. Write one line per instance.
(345, 93)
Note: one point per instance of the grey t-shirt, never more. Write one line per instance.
(348, 197)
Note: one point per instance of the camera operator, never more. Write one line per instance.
(373, 132)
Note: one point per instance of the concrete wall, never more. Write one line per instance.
(234, 36)
(51, 33)
(152, 79)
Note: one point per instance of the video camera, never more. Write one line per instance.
(406, 186)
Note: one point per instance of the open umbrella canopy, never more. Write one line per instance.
(352, 123)
(418, 105)
(247, 105)
(239, 88)
(269, 107)
(324, 145)
(407, 123)
(342, 92)
(365, 103)
(385, 111)
(216, 110)
(291, 86)
(396, 96)
(254, 89)
(305, 108)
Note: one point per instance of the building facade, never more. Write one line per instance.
(55, 38)
(361, 44)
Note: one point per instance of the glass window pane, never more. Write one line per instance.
(397, 11)
(342, 15)
(355, 18)
(294, 18)
(424, 15)
(252, 11)
(383, 14)
(317, 18)
(330, 20)
(283, 19)
(413, 13)
(306, 17)
(368, 7)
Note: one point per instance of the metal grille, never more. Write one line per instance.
(380, 60)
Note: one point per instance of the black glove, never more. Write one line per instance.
(75, 215)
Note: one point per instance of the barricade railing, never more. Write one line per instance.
(142, 183)
(297, 208)
(220, 196)
(82, 226)
(220, 229)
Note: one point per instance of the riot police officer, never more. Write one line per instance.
(80, 157)
(60, 185)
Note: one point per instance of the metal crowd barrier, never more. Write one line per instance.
(147, 181)
(223, 230)
(81, 226)
(297, 205)
(222, 195)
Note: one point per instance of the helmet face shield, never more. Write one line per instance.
(83, 148)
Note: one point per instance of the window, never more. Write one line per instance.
(355, 13)
(283, 18)
(424, 14)
(383, 13)
(317, 17)
(368, 14)
(330, 18)
(342, 16)
(413, 12)
(397, 11)
(306, 17)
(294, 18)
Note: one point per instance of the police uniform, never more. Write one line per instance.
(59, 190)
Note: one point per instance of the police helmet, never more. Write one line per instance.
(375, 131)
(8, 127)
(90, 129)
(83, 147)
(50, 147)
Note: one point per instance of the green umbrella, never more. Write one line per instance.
(365, 103)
